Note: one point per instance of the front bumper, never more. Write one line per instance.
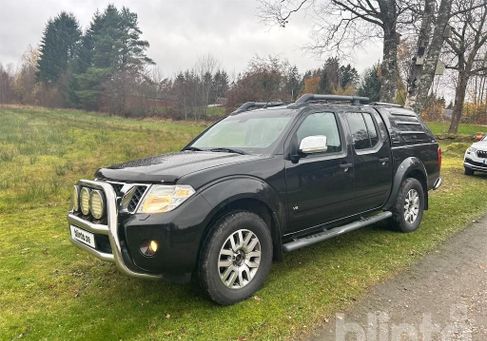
(477, 165)
(110, 230)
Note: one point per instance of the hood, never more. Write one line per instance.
(480, 145)
(168, 168)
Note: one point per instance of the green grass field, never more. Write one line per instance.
(440, 128)
(51, 290)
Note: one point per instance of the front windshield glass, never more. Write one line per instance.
(250, 132)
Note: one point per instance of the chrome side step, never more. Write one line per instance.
(336, 231)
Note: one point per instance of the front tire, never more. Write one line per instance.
(468, 171)
(409, 206)
(236, 258)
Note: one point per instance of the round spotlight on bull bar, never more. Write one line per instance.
(85, 200)
(97, 204)
(75, 198)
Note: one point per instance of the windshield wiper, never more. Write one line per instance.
(228, 150)
(194, 149)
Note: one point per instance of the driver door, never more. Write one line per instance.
(319, 185)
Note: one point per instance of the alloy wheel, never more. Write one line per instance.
(411, 206)
(239, 259)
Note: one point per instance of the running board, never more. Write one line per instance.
(336, 231)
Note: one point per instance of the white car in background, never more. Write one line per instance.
(475, 158)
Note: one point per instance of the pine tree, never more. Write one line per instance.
(84, 59)
(112, 57)
(329, 77)
(58, 47)
(220, 84)
(348, 76)
(292, 85)
(370, 86)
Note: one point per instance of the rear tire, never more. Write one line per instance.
(468, 171)
(408, 209)
(236, 258)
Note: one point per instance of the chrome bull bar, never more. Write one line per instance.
(110, 230)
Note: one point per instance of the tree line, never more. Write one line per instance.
(443, 33)
(106, 67)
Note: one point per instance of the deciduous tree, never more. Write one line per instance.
(431, 37)
(352, 21)
(467, 48)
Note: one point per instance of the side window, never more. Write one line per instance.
(359, 130)
(323, 123)
(363, 130)
(371, 129)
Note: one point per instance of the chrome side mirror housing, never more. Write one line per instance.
(313, 144)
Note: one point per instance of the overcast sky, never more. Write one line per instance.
(180, 32)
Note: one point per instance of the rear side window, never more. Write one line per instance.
(364, 131)
(371, 129)
(407, 127)
(321, 123)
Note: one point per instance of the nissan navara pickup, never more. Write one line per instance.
(268, 179)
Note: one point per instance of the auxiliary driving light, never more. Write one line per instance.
(75, 198)
(149, 248)
(85, 201)
(97, 205)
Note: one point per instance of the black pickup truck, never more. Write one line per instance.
(268, 179)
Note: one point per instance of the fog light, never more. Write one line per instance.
(149, 248)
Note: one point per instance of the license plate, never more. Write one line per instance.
(83, 236)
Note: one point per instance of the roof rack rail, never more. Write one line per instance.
(247, 106)
(355, 100)
(387, 104)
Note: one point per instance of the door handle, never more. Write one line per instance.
(383, 161)
(346, 166)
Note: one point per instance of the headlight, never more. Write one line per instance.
(471, 150)
(97, 205)
(85, 201)
(75, 198)
(164, 198)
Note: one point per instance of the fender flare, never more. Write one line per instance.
(223, 192)
(407, 166)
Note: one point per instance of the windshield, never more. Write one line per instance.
(249, 132)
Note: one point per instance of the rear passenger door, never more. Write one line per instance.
(372, 159)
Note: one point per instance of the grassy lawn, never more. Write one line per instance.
(439, 128)
(51, 290)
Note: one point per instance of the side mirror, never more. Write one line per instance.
(313, 144)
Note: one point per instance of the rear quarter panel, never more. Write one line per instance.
(410, 137)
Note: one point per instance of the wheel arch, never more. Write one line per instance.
(245, 194)
(411, 167)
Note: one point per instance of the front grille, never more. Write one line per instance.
(128, 195)
(482, 154)
(474, 163)
(117, 187)
(136, 197)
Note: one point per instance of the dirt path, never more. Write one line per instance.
(443, 297)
